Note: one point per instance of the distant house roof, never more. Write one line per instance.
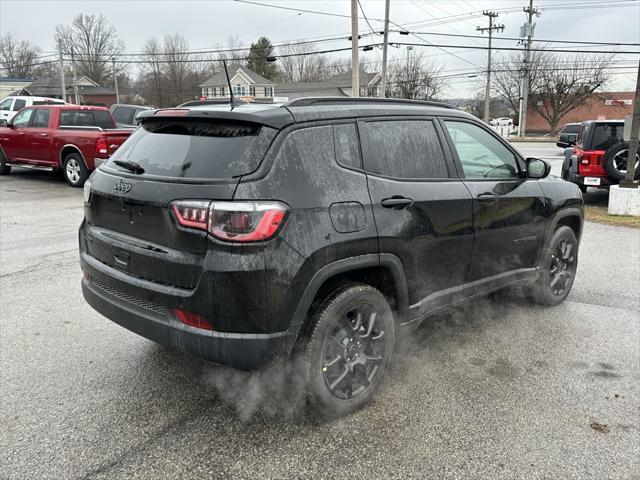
(310, 89)
(19, 80)
(50, 86)
(220, 78)
(344, 78)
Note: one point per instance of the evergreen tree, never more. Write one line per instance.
(257, 59)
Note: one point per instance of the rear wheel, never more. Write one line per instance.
(557, 269)
(4, 168)
(74, 170)
(350, 349)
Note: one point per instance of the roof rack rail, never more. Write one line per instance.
(309, 101)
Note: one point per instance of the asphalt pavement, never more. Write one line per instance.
(497, 389)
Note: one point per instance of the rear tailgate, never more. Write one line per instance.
(116, 137)
(129, 221)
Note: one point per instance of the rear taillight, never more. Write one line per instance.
(231, 221)
(193, 319)
(101, 146)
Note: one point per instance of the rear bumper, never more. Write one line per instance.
(238, 350)
(604, 181)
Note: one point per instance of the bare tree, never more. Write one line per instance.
(18, 58)
(414, 78)
(93, 42)
(299, 63)
(565, 84)
(507, 73)
(152, 80)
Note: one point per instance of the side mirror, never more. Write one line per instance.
(537, 168)
(4, 122)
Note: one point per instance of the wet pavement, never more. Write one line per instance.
(497, 389)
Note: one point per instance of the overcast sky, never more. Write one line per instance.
(208, 23)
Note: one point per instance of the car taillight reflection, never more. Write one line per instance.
(231, 221)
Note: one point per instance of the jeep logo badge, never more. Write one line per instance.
(121, 187)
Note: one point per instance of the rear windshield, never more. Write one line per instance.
(605, 136)
(195, 148)
(86, 118)
(571, 128)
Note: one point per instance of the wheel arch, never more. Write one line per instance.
(68, 149)
(570, 217)
(382, 271)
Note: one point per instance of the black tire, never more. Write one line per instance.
(349, 350)
(74, 170)
(557, 268)
(4, 168)
(615, 162)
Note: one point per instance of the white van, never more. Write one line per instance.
(11, 105)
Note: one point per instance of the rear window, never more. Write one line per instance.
(571, 128)
(194, 148)
(605, 136)
(124, 115)
(86, 118)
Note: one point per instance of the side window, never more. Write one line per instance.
(123, 115)
(19, 104)
(41, 118)
(6, 104)
(480, 153)
(407, 149)
(22, 118)
(347, 148)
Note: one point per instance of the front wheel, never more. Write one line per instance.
(558, 268)
(74, 170)
(350, 349)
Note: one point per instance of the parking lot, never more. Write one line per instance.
(497, 389)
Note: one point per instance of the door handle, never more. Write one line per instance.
(44, 134)
(397, 203)
(487, 198)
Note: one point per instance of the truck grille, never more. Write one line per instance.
(126, 297)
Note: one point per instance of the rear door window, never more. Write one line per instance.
(347, 147)
(103, 119)
(405, 149)
(195, 148)
(19, 104)
(22, 119)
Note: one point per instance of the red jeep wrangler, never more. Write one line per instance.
(69, 137)
(599, 157)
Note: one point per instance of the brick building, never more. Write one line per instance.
(601, 106)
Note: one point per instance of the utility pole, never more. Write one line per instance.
(629, 181)
(527, 31)
(62, 84)
(385, 44)
(115, 78)
(75, 79)
(492, 27)
(355, 62)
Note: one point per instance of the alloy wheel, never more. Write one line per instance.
(73, 170)
(353, 352)
(620, 161)
(563, 264)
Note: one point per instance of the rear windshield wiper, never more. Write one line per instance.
(129, 165)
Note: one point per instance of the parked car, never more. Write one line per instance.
(68, 137)
(568, 134)
(11, 105)
(125, 115)
(317, 228)
(502, 122)
(599, 156)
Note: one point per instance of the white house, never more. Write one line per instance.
(245, 83)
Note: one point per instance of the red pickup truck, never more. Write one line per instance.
(69, 137)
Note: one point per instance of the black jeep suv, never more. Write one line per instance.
(317, 228)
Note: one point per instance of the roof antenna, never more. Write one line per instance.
(232, 100)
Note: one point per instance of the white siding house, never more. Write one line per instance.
(245, 83)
